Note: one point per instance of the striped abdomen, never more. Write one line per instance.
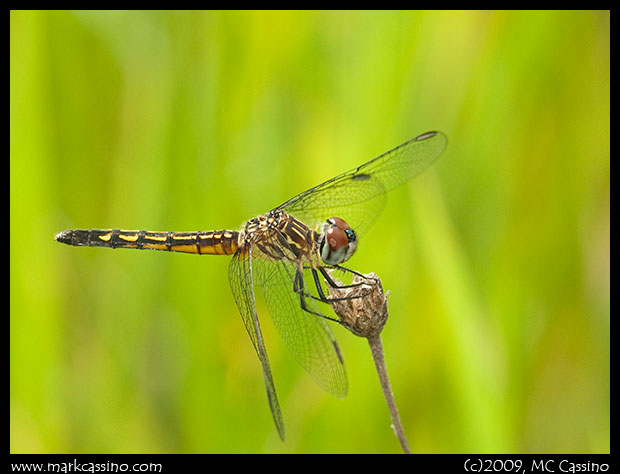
(219, 242)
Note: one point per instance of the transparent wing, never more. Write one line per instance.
(241, 281)
(358, 196)
(308, 337)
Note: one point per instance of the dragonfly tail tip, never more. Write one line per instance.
(63, 237)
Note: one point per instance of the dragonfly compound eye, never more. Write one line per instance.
(338, 241)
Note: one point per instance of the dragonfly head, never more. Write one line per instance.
(337, 241)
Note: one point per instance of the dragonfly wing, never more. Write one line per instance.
(308, 337)
(357, 196)
(241, 282)
(342, 200)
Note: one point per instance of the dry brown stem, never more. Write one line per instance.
(362, 309)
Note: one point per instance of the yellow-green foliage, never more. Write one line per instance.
(497, 257)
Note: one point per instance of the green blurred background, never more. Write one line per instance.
(497, 257)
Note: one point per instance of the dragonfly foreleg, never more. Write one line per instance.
(323, 298)
(298, 287)
(346, 270)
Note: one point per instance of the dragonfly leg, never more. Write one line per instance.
(317, 282)
(322, 297)
(346, 270)
(329, 279)
(298, 287)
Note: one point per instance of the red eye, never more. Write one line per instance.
(336, 238)
(338, 241)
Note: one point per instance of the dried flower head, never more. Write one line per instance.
(362, 306)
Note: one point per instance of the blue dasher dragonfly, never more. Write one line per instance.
(283, 252)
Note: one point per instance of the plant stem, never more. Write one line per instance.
(376, 347)
(362, 309)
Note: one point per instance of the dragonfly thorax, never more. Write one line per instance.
(278, 236)
(337, 241)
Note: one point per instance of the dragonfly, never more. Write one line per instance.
(287, 250)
